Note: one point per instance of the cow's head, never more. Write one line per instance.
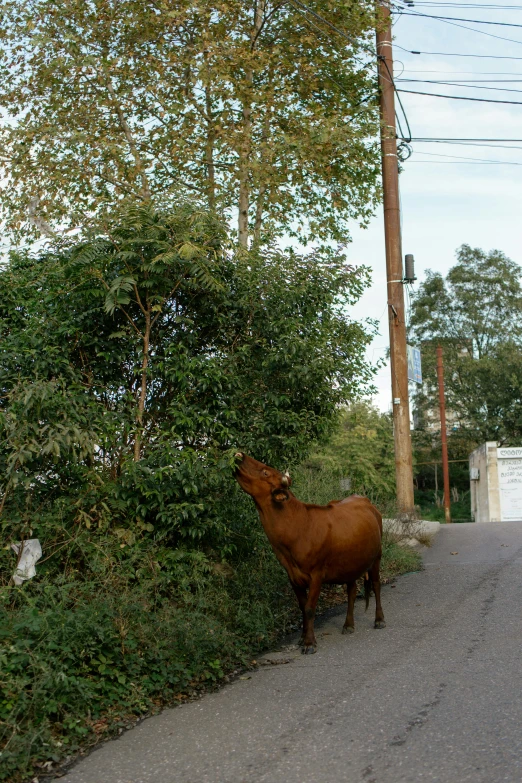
(261, 481)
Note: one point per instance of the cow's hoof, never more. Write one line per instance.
(309, 649)
(348, 629)
(379, 624)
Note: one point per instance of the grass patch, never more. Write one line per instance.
(398, 559)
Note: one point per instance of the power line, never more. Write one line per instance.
(461, 81)
(460, 97)
(467, 144)
(465, 163)
(306, 9)
(427, 138)
(475, 73)
(341, 88)
(486, 6)
(490, 146)
(455, 19)
(458, 54)
(475, 160)
(460, 84)
(464, 27)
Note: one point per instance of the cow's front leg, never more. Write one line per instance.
(301, 595)
(309, 641)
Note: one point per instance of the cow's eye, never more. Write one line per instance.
(266, 473)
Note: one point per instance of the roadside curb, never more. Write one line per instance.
(420, 526)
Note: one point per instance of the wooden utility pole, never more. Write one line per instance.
(443, 437)
(394, 274)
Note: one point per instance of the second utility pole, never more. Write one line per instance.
(443, 435)
(394, 274)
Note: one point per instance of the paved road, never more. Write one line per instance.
(436, 696)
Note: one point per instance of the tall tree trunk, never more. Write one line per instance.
(265, 159)
(209, 151)
(244, 156)
(143, 388)
(244, 192)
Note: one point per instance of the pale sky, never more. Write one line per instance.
(447, 202)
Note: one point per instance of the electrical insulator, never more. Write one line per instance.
(409, 269)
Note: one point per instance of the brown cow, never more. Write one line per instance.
(333, 544)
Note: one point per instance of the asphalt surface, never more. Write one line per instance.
(436, 696)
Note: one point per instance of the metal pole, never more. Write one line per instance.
(394, 274)
(445, 465)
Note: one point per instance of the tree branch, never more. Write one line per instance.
(37, 221)
(145, 187)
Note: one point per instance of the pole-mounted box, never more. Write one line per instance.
(409, 269)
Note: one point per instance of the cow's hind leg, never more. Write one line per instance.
(376, 584)
(301, 595)
(349, 624)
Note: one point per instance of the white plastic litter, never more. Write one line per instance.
(30, 554)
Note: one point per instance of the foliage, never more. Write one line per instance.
(256, 109)
(431, 504)
(475, 314)
(360, 448)
(134, 362)
(82, 655)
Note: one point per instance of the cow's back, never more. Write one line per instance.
(355, 538)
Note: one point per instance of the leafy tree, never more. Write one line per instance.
(360, 448)
(133, 362)
(476, 315)
(258, 110)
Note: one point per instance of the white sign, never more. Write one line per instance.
(510, 483)
(510, 453)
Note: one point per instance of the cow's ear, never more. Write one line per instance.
(280, 495)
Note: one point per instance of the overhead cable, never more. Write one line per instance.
(455, 19)
(469, 144)
(460, 97)
(485, 6)
(336, 29)
(476, 160)
(453, 73)
(301, 6)
(460, 84)
(458, 54)
(467, 162)
(427, 138)
(464, 27)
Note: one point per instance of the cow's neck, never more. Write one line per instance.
(280, 521)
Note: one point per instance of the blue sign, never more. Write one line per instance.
(414, 364)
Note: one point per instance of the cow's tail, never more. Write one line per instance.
(367, 589)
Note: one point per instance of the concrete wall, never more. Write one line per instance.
(497, 493)
(485, 494)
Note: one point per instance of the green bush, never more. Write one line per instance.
(133, 365)
(129, 636)
(136, 361)
(82, 656)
